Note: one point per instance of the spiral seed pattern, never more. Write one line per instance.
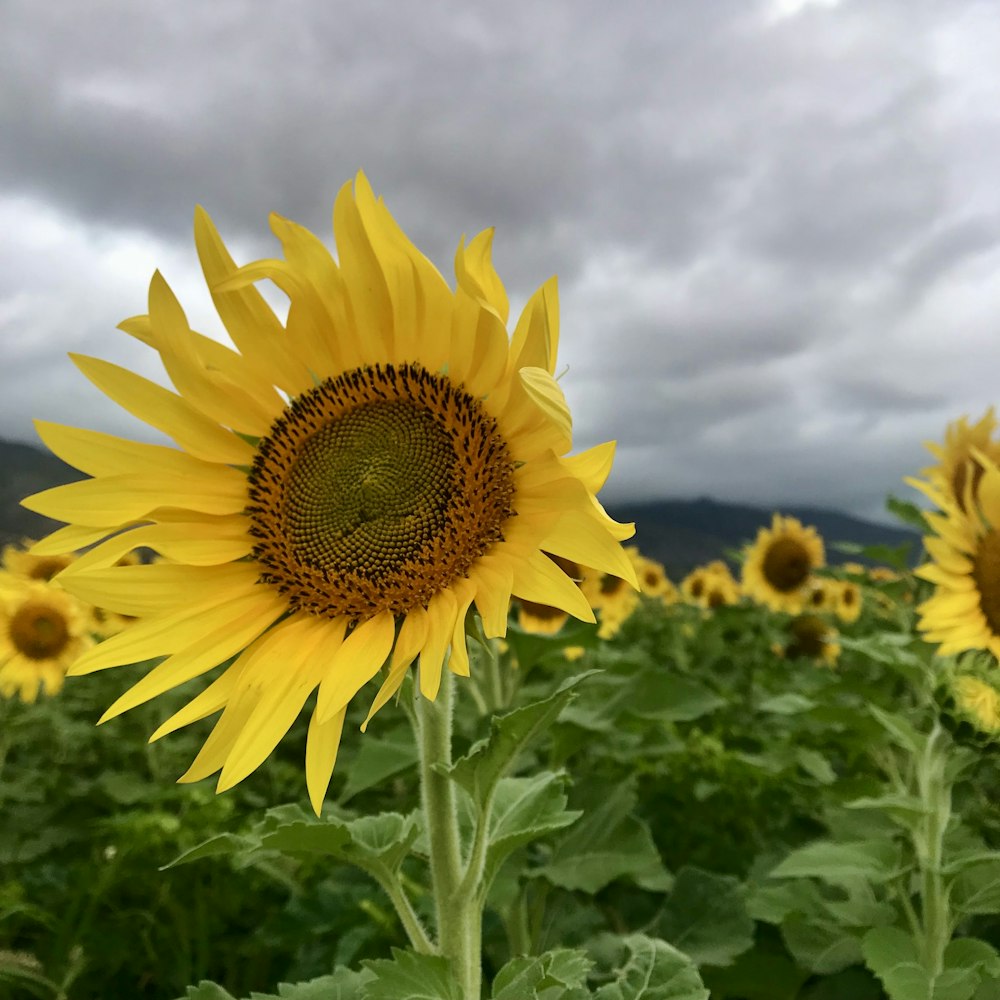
(376, 490)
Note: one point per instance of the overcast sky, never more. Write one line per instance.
(776, 223)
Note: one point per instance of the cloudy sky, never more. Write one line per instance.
(776, 223)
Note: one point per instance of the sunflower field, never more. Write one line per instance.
(469, 741)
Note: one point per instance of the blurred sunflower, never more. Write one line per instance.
(19, 562)
(811, 638)
(977, 701)
(847, 600)
(964, 610)
(721, 591)
(779, 564)
(822, 594)
(652, 576)
(696, 585)
(350, 483)
(959, 471)
(42, 631)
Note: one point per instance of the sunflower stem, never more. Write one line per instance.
(459, 914)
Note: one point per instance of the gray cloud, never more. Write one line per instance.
(776, 225)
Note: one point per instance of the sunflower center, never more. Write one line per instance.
(46, 568)
(376, 490)
(786, 565)
(986, 573)
(808, 638)
(38, 632)
(611, 585)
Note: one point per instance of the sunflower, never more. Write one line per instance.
(964, 610)
(811, 638)
(721, 591)
(348, 485)
(847, 600)
(42, 630)
(779, 564)
(697, 585)
(653, 579)
(19, 562)
(959, 471)
(822, 594)
(978, 702)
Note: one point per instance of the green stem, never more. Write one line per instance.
(935, 793)
(404, 910)
(459, 915)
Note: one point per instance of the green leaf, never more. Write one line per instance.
(525, 809)
(908, 513)
(892, 955)
(971, 953)
(409, 976)
(900, 730)
(896, 556)
(977, 888)
(486, 763)
(379, 759)
(652, 970)
(815, 765)
(343, 984)
(522, 978)
(657, 695)
(834, 862)
(220, 844)
(608, 843)
(906, 810)
(207, 991)
(789, 703)
(706, 917)
(819, 944)
(381, 841)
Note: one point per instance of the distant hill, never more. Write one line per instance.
(684, 533)
(680, 533)
(25, 470)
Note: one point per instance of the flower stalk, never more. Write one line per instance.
(458, 910)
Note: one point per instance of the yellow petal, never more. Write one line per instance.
(68, 539)
(477, 276)
(322, 744)
(593, 466)
(248, 617)
(540, 580)
(441, 611)
(495, 578)
(214, 698)
(167, 412)
(357, 661)
(113, 500)
(536, 336)
(582, 539)
(251, 324)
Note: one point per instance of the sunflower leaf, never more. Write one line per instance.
(525, 809)
(524, 977)
(479, 771)
(408, 976)
(706, 917)
(649, 969)
(607, 844)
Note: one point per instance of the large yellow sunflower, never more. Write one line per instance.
(964, 610)
(959, 471)
(349, 484)
(42, 631)
(779, 564)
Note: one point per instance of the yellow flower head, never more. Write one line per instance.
(42, 630)
(721, 591)
(778, 566)
(811, 638)
(348, 484)
(959, 471)
(19, 562)
(653, 579)
(978, 701)
(964, 610)
(696, 585)
(847, 600)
